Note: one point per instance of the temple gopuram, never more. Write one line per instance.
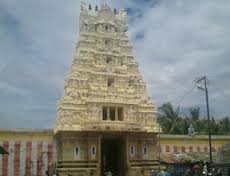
(106, 123)
(105, 120)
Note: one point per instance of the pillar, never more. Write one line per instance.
(108, 115)
(116, 114)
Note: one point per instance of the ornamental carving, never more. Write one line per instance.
(130, 114)
(94, 111)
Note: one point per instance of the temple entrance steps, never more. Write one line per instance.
(144, 163)
(77, 168)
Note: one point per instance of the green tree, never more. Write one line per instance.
(194, 118)
(3, 151)
(224, 126)
(172, 123)
(183, 125)
(169, 119)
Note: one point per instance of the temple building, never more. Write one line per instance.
(106, 123)
(105, 120)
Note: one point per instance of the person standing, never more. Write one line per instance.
(205, 169)
(163, 172)
(219, 173)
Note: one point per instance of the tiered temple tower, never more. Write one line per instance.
(106, 122)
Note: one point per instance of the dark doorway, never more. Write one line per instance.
(112, 156)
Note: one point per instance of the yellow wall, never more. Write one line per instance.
(26, 135)
(165, 140)
(201, 141)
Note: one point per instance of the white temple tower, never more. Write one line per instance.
(105, 120)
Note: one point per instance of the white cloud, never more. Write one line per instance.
(181, 41)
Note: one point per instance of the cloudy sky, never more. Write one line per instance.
(174, 42)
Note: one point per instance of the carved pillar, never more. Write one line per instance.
(116, 113)
(101, 114)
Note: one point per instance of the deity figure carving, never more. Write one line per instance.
(130, 114)
(94, 111)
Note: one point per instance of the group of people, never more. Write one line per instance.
(164, 172)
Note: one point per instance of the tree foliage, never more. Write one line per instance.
(3, 151)
(172, 122)
(169, 118)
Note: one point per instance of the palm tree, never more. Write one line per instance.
(169, 119)
(194, 117)
(224, 126)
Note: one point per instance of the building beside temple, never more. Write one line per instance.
(105, 120)
(31, 152)
(182, 153)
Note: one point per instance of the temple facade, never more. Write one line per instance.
(34, 152)
(106, 121)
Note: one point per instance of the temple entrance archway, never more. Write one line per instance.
(113, 156)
